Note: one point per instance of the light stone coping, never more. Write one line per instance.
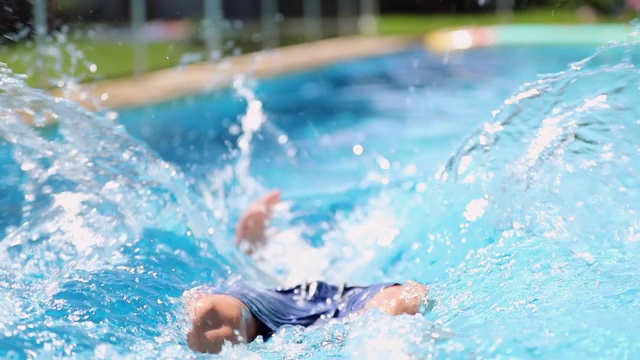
(164, 85)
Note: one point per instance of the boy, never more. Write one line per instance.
(237, 312)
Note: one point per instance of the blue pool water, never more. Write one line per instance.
(514, 195)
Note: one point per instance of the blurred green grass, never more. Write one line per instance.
(73, 59)
(419, 25)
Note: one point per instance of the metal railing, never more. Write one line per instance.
(40, 33)
(138, 19)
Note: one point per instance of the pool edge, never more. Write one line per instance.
(167, 84)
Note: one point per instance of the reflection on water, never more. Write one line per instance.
(528, 233)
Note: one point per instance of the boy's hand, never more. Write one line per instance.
(252, 227)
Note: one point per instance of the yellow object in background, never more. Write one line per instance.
(466, 38)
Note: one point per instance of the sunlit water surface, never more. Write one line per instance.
(528, 233)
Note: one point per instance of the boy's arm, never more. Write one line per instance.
(252, 227)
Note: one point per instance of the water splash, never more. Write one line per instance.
(528, 234)
(563, 137)
(251, 122)
(230, 190)
(99, 211)
(534, 219)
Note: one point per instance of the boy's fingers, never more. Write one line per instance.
(272, 198)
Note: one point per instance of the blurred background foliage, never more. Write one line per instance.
(16, 13)
(463, 6)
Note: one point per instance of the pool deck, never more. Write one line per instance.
(177, 82)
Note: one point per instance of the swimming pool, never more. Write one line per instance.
(527, 232)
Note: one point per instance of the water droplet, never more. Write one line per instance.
(383, 163)
(110, 185)
(112, 115)
(234, 129)
(358, 149)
